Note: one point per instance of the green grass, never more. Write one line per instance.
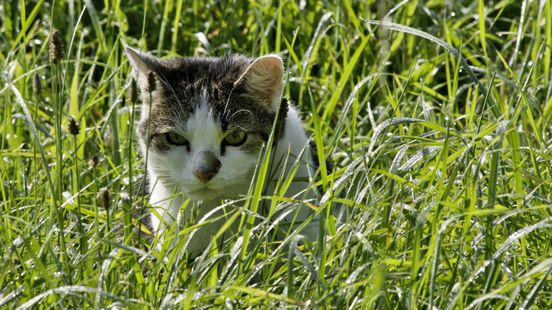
(435, 114)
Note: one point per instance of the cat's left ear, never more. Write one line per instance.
(144, 64)
(141, 62)
(264, 79)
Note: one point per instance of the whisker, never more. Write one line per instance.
(241, 111)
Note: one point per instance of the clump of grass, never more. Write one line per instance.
(435, 115)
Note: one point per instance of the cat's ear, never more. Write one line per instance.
(141, 62)
(144, 64)
(264, 80)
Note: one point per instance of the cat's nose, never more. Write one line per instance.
(207, 166)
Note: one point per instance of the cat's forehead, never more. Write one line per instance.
(192, 84)
(205, 71)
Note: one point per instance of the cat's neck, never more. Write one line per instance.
(292, 144)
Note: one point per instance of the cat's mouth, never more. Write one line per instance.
(203, 193)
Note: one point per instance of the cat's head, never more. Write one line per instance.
(204, 120)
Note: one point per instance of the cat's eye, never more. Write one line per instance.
(236, 137)
(175, 139)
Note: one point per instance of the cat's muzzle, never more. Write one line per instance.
(207, 166)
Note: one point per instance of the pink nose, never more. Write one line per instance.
(207, 166)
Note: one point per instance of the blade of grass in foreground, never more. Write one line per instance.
(34, 132)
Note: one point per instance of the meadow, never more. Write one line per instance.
(434, 114)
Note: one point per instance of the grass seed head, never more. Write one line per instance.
(133, 92)
(151, 82)
(94, 162)
(103, 197)
(56, 47)
(37, 85)
(73, 126)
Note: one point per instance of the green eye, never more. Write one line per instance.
(175, 139)
(235, 137)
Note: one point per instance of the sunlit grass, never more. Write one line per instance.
(435, 116)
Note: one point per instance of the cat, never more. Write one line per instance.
(203, 124)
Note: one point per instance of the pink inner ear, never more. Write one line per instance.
(264, 79)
